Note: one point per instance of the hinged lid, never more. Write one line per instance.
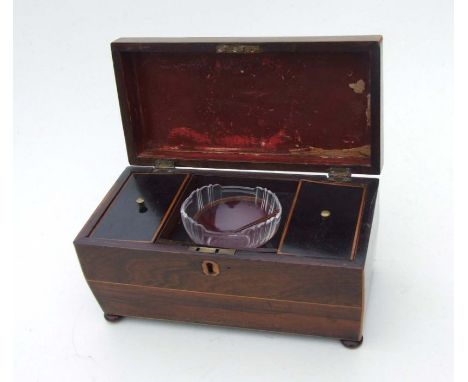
(302, 104)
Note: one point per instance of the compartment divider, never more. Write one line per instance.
(175, 201)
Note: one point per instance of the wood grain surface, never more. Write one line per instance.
(265, 314)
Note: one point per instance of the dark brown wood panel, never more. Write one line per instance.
(303, 318)
(105, 202)
(243, 277)
(333, 236)
(125, 220)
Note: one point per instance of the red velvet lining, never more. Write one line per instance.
(309, 107)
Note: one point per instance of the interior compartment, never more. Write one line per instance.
(125, 220)
(284, 190)
(303, 231)
(325, 220)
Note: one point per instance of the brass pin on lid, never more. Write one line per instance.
(325, 214)
(141, 204)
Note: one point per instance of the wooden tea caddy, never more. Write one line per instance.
(192, 106)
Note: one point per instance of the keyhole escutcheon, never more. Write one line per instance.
(210, 268)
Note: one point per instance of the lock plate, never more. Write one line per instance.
(214, 251)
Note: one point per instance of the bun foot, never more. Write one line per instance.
(350, 344)
(112, 317)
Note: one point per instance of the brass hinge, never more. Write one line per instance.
(339, 174)
(164, 164)
(237, 48)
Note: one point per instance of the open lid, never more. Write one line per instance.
(302, 104)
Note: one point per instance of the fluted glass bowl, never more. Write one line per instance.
(231, 216)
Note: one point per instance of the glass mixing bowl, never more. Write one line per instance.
(231, 216)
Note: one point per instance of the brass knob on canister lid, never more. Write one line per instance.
(325, 214)
(141, 204)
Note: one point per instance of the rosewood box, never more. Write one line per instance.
(202, 111)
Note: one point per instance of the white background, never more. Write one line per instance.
(69, 149)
